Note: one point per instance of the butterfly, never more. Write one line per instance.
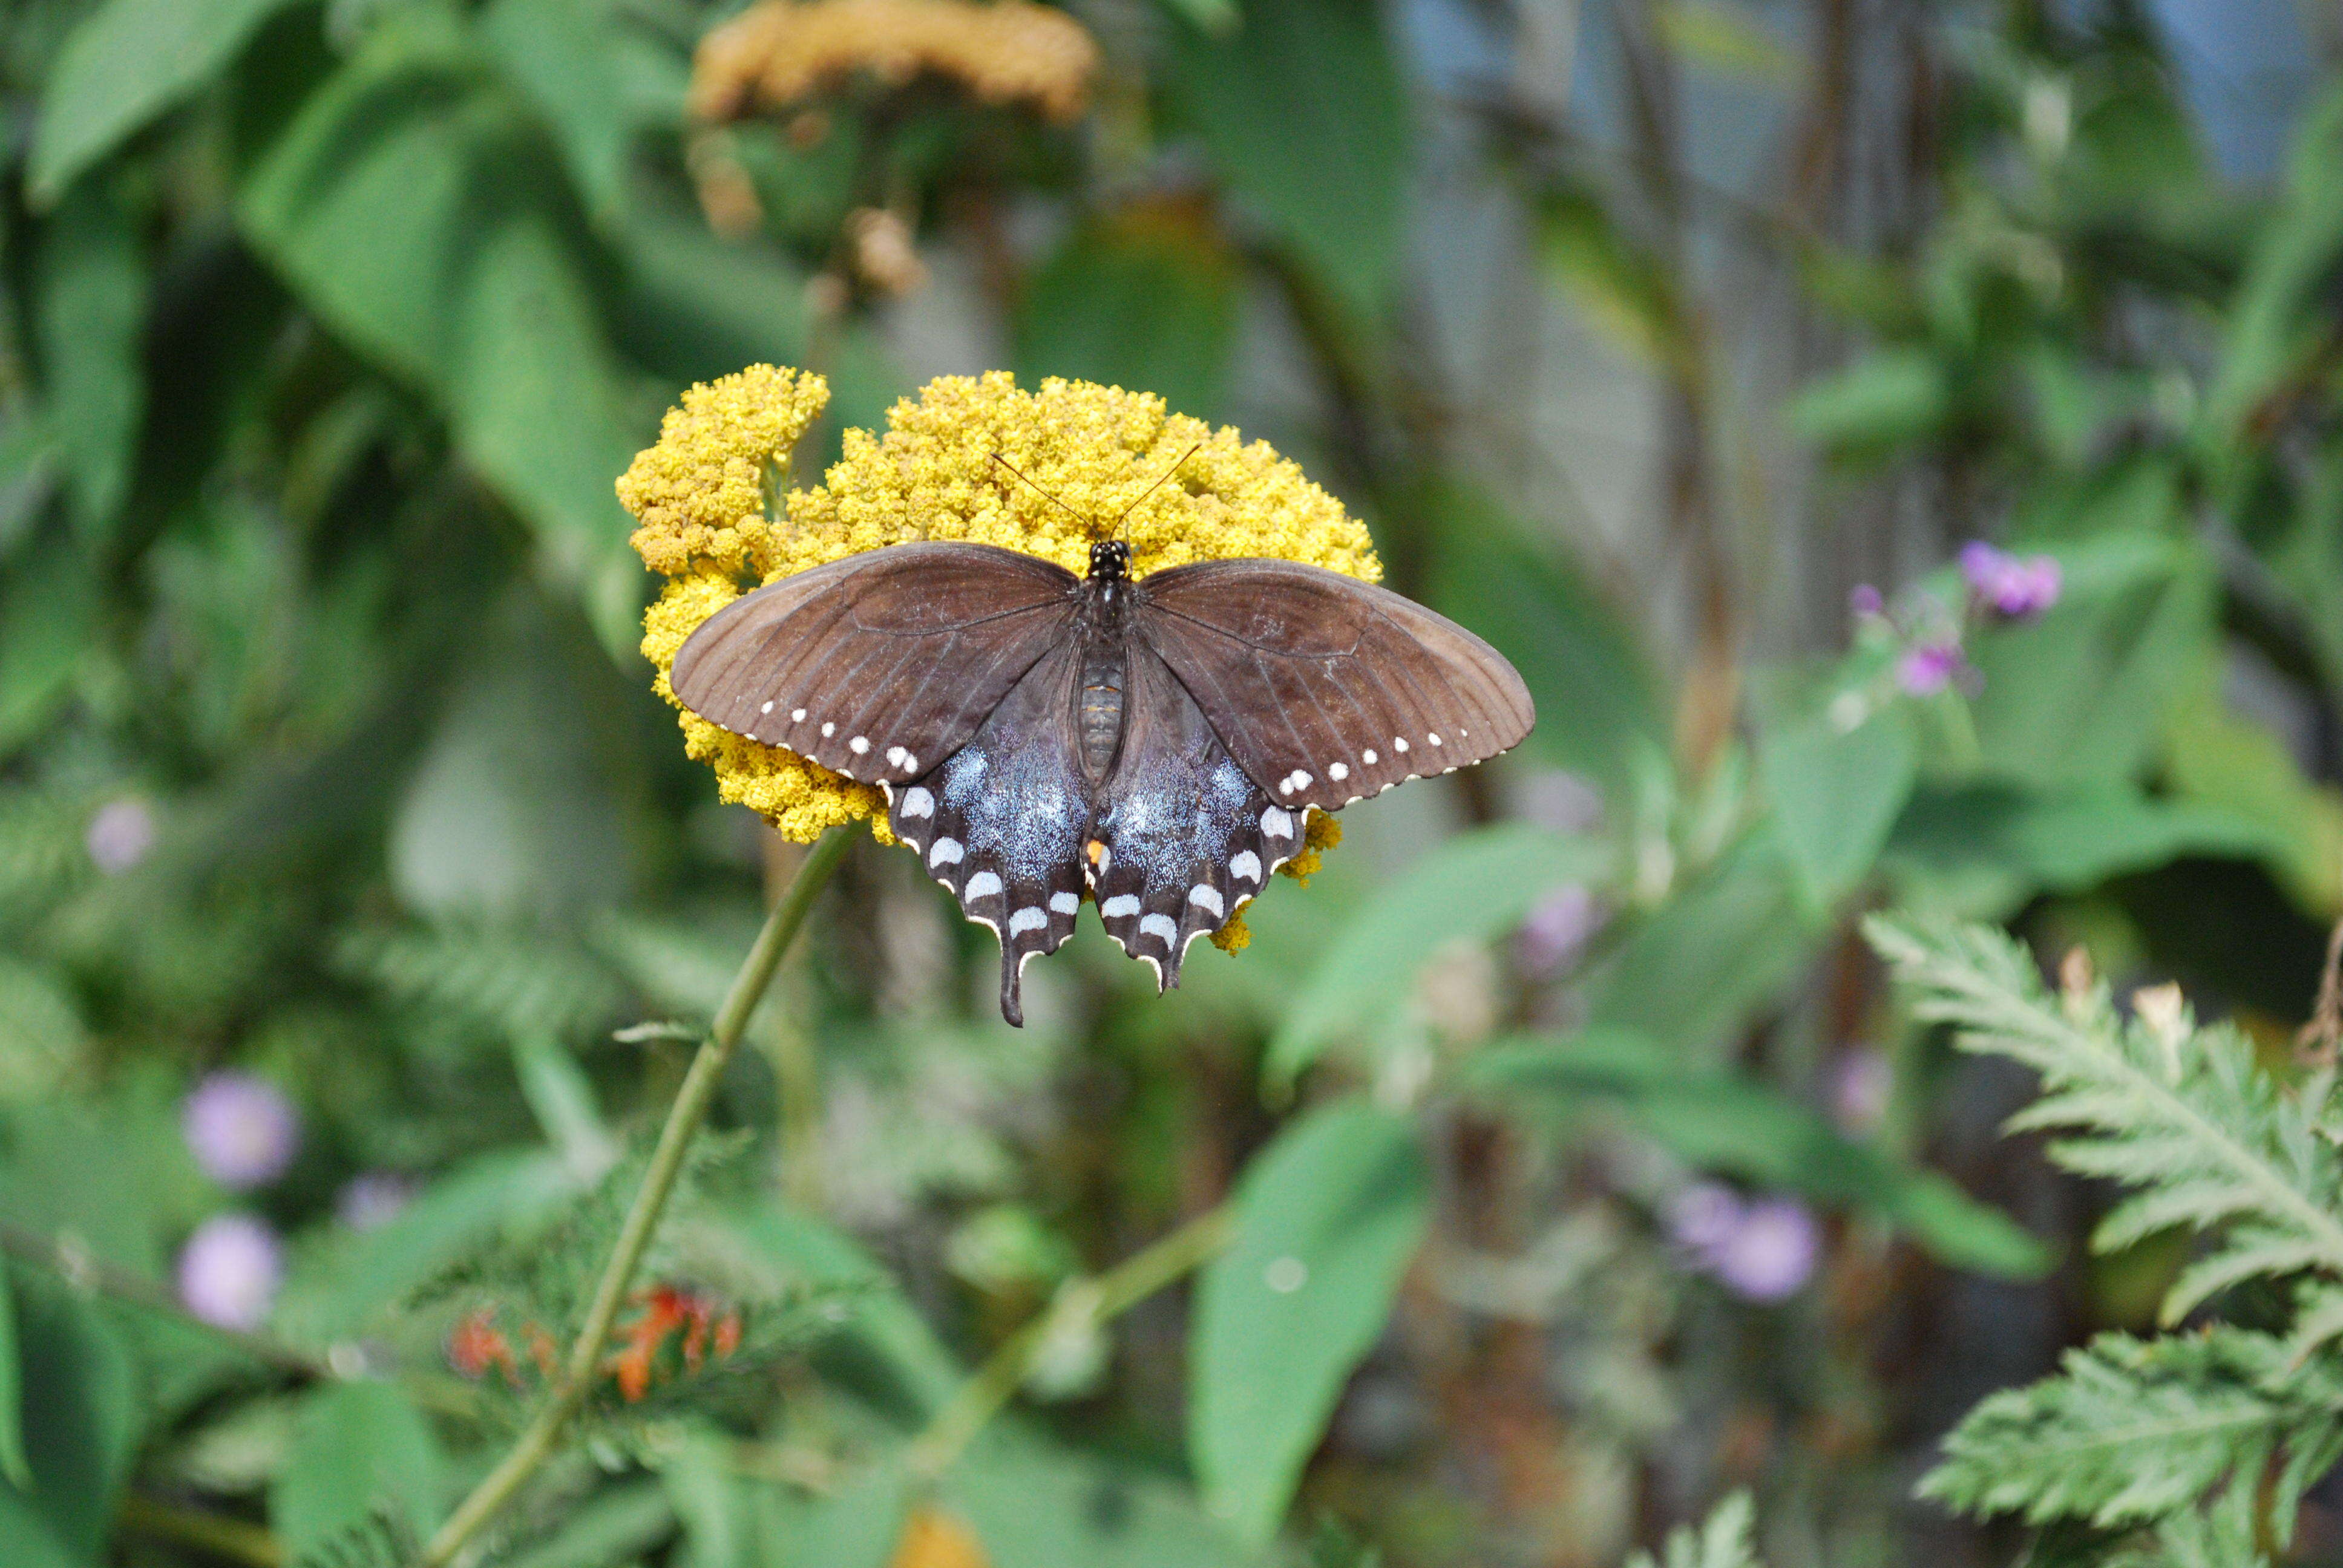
(1151, 742)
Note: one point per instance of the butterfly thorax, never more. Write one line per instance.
(1105, 669)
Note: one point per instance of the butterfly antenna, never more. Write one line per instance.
(1039, 491)
(1158, 485)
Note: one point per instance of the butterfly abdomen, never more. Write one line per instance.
(1100, 701)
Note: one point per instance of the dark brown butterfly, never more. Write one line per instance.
(1151, 742)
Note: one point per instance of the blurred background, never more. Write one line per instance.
(1898, 443)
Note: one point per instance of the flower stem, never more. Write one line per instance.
(1086, 1302)
(537, 1443)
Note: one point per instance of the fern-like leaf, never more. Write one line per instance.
(2183, 1115)
(2137, 1431)
(1723, 1541)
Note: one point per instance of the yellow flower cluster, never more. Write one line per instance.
(1090, 452)
(1010, 51)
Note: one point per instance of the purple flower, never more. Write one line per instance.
(1861, 1083)
(1865, 602)
(241, 1130)
(1771, 1253)
(1928, 667)
(1704, 1217)
(229, 1271)
(1556, 930)
(120, 835)
(374, 1199)
(2010, 585)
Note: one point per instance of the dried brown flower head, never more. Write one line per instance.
(777, 52)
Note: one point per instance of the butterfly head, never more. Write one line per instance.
(1110, 561)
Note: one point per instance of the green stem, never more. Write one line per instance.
(537, 1443)
(1086, 1301)
(216, 1533)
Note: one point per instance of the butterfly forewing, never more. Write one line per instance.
(1188, 836)
(1001, 821)
(879, 665)
(1324, 688)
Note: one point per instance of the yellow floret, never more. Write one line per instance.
(699, 494)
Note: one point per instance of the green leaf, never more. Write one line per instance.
(1883, 400)
(1724, 1541)
(561, 54)
(1328, 1216)
(2184, 1116)
(89, 322)
(2132, 1432)
(125, 62)
(1599, 710)
(1303, 114)
(710, 1500)
(2081, 695)
(80, 1411)
(1035, 1504)
(860, 1525)
(362, 1451)
(1744, 927)
(697, 306)
(1473, 886)
(2013, 843)
(414, 205)
(921, 1374)
(14, 1468)
(1835, 793)
(1719, 1121)
(2239, 769)
(48, 614)
(1145, 299)
(616, 1526)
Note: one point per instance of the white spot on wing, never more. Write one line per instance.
(896, 755)
(910, 763)
(1207, 897)
(1398, 743)
(1368, 756)
(796, 716)
(983, 885)
(828, 729)
(1066, 903)
(947, 852)
(1340, 771)
(1120, 907)
(1031, 918)
(917, 802)
(1246, 866)
(1158, 926)
(767, 709)
(1277, 822)
(1434, 739)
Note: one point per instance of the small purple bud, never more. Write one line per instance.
(1771, 1254)
(1928, 667)
(1865, 602)
(241, 1130)
(120, 835)
(229, 1271)
(374, 1199)
(2008, 585)
(1861, 1082)
(1557, 929)
(1704, 1217)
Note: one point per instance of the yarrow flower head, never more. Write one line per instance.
(2014, 586)
(1008, 52)
(241, 1130)
(710, 528)
(229, 1271)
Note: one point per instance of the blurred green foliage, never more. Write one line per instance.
(325, 755)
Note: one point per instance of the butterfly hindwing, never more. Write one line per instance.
(878, 665)
(1188, 836)
(1324, 688)
(1001, 821)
